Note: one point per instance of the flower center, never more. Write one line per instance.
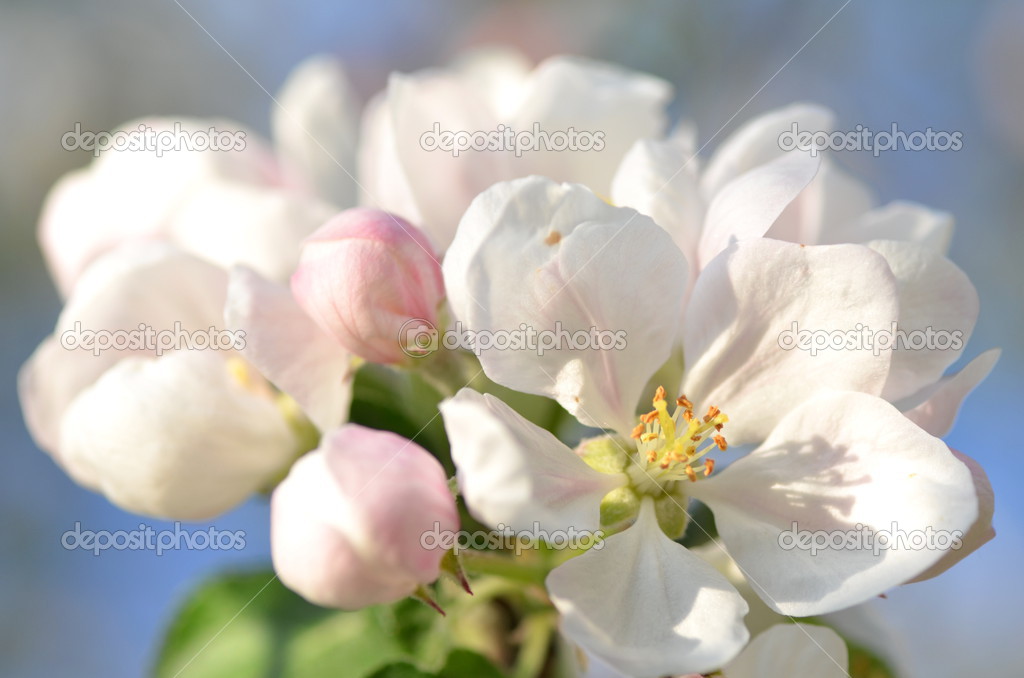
(675, 446)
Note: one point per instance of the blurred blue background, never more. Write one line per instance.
(951, 65)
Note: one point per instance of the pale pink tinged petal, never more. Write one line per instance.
(589, 97)
(231, 223)
(363, 277)
(498, 73)
(289, 349)
(47, 383)
(659, 179)
(131, 195)
(840, 464)
(315, 128)
(938, 309)
(935, 407)
(834, 198)
(515, 473)
(748, 205)
(792, 650)
(741, 347)
(980, 533)
(898, 220)
(348, 524)
(176, 437)
(555, 258)
(647, 606)
(151, 285)
(441, 184)
(384, 182)
(757, 142)
(75, 227)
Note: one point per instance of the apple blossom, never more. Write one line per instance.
(482, 91)
(251, 204)
(159, 430)
(364, 275)
(347, 522)
(831, 453)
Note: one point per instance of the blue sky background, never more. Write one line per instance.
(951, 65)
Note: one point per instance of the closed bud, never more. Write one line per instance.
(357, 521)
(363, 277)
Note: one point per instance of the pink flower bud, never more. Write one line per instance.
(363, 276)
(355, 523)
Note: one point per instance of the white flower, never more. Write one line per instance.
(751, 187)
(251, 204)
(831, 454)
(432, 189)
(186, 434)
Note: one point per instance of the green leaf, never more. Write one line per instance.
(403, 670)
(465, 664)
(251, 626)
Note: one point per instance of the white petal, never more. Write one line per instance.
(748, 205)
(980, 533)
(176, 437)
(744, 308)
(898, 220)
(647, 606)
(441, 185)
(659, 179)
(548, 256)
(839, 461)
(289, 348)
(515, 473)
(315, 129)
(935, 407)
(935, 296)
(792, 650)
(147, 284)
(132, 195)
(834, 198)
(757, 142)
(230, 223)
(589, 96)
(498, 73)
(384, 181)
